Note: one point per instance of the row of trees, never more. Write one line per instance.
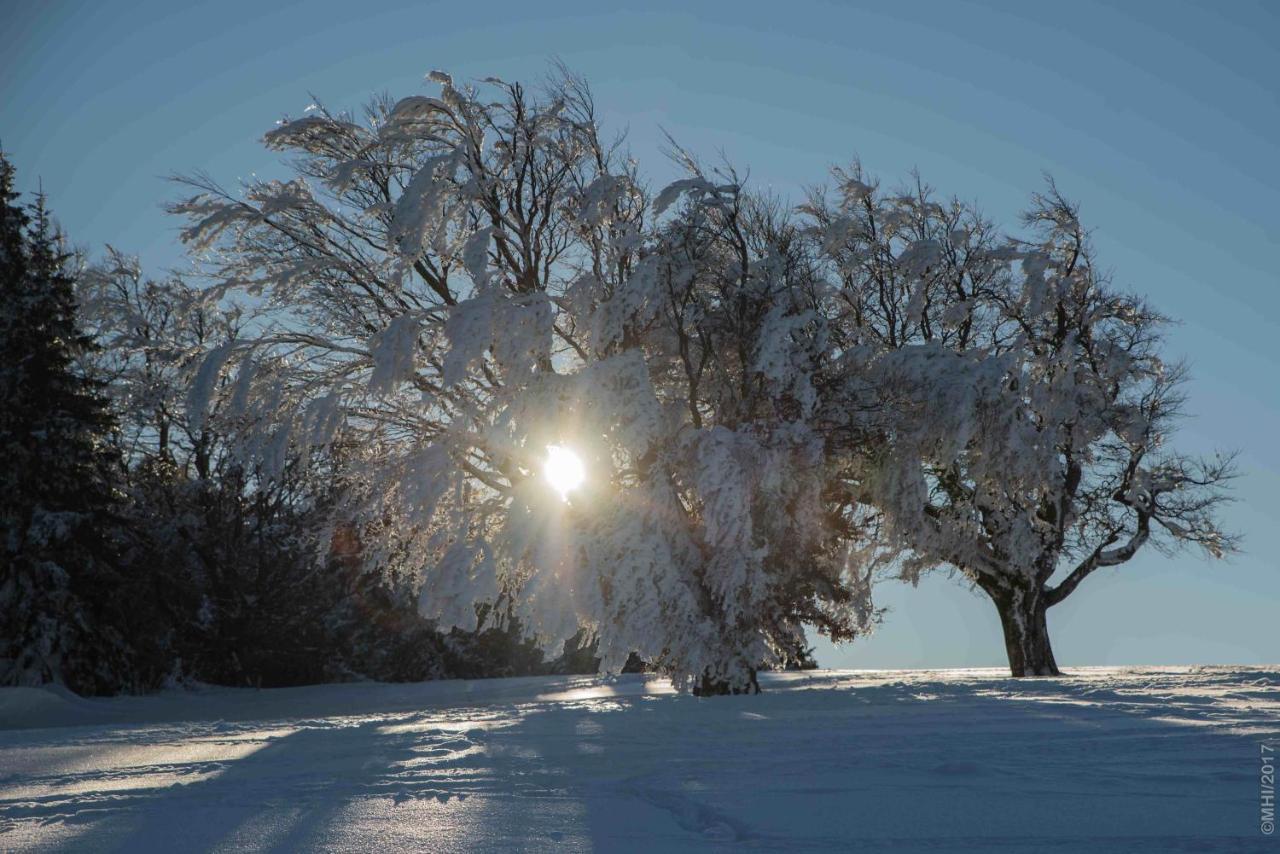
(776, 406)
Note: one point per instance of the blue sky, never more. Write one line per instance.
(1162, 119)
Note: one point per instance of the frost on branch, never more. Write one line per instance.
(202, 386)
(469, 330)
(394, 353)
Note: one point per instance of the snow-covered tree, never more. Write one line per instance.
(724, 306)
(151, 337)
(57, 489)
(1019, 407)
(458, 283)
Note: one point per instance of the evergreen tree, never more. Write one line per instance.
(56, 490)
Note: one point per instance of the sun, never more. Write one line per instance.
(563, 470)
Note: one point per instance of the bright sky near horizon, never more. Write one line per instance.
(1162, 119)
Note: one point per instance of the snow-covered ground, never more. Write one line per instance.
(1134, 759)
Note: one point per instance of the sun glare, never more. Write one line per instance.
(563, 470)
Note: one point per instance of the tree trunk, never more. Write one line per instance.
(710, 686)
(1023, 616)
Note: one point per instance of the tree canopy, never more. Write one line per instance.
(775, 406)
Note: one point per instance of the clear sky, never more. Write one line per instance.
(1162, 119)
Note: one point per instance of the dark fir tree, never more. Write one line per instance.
(56, 490)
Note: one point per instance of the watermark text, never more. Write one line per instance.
(1267, 791)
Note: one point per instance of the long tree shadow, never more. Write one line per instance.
(436, 781)
(282, 794)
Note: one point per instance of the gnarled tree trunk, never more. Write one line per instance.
(1023, 616)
